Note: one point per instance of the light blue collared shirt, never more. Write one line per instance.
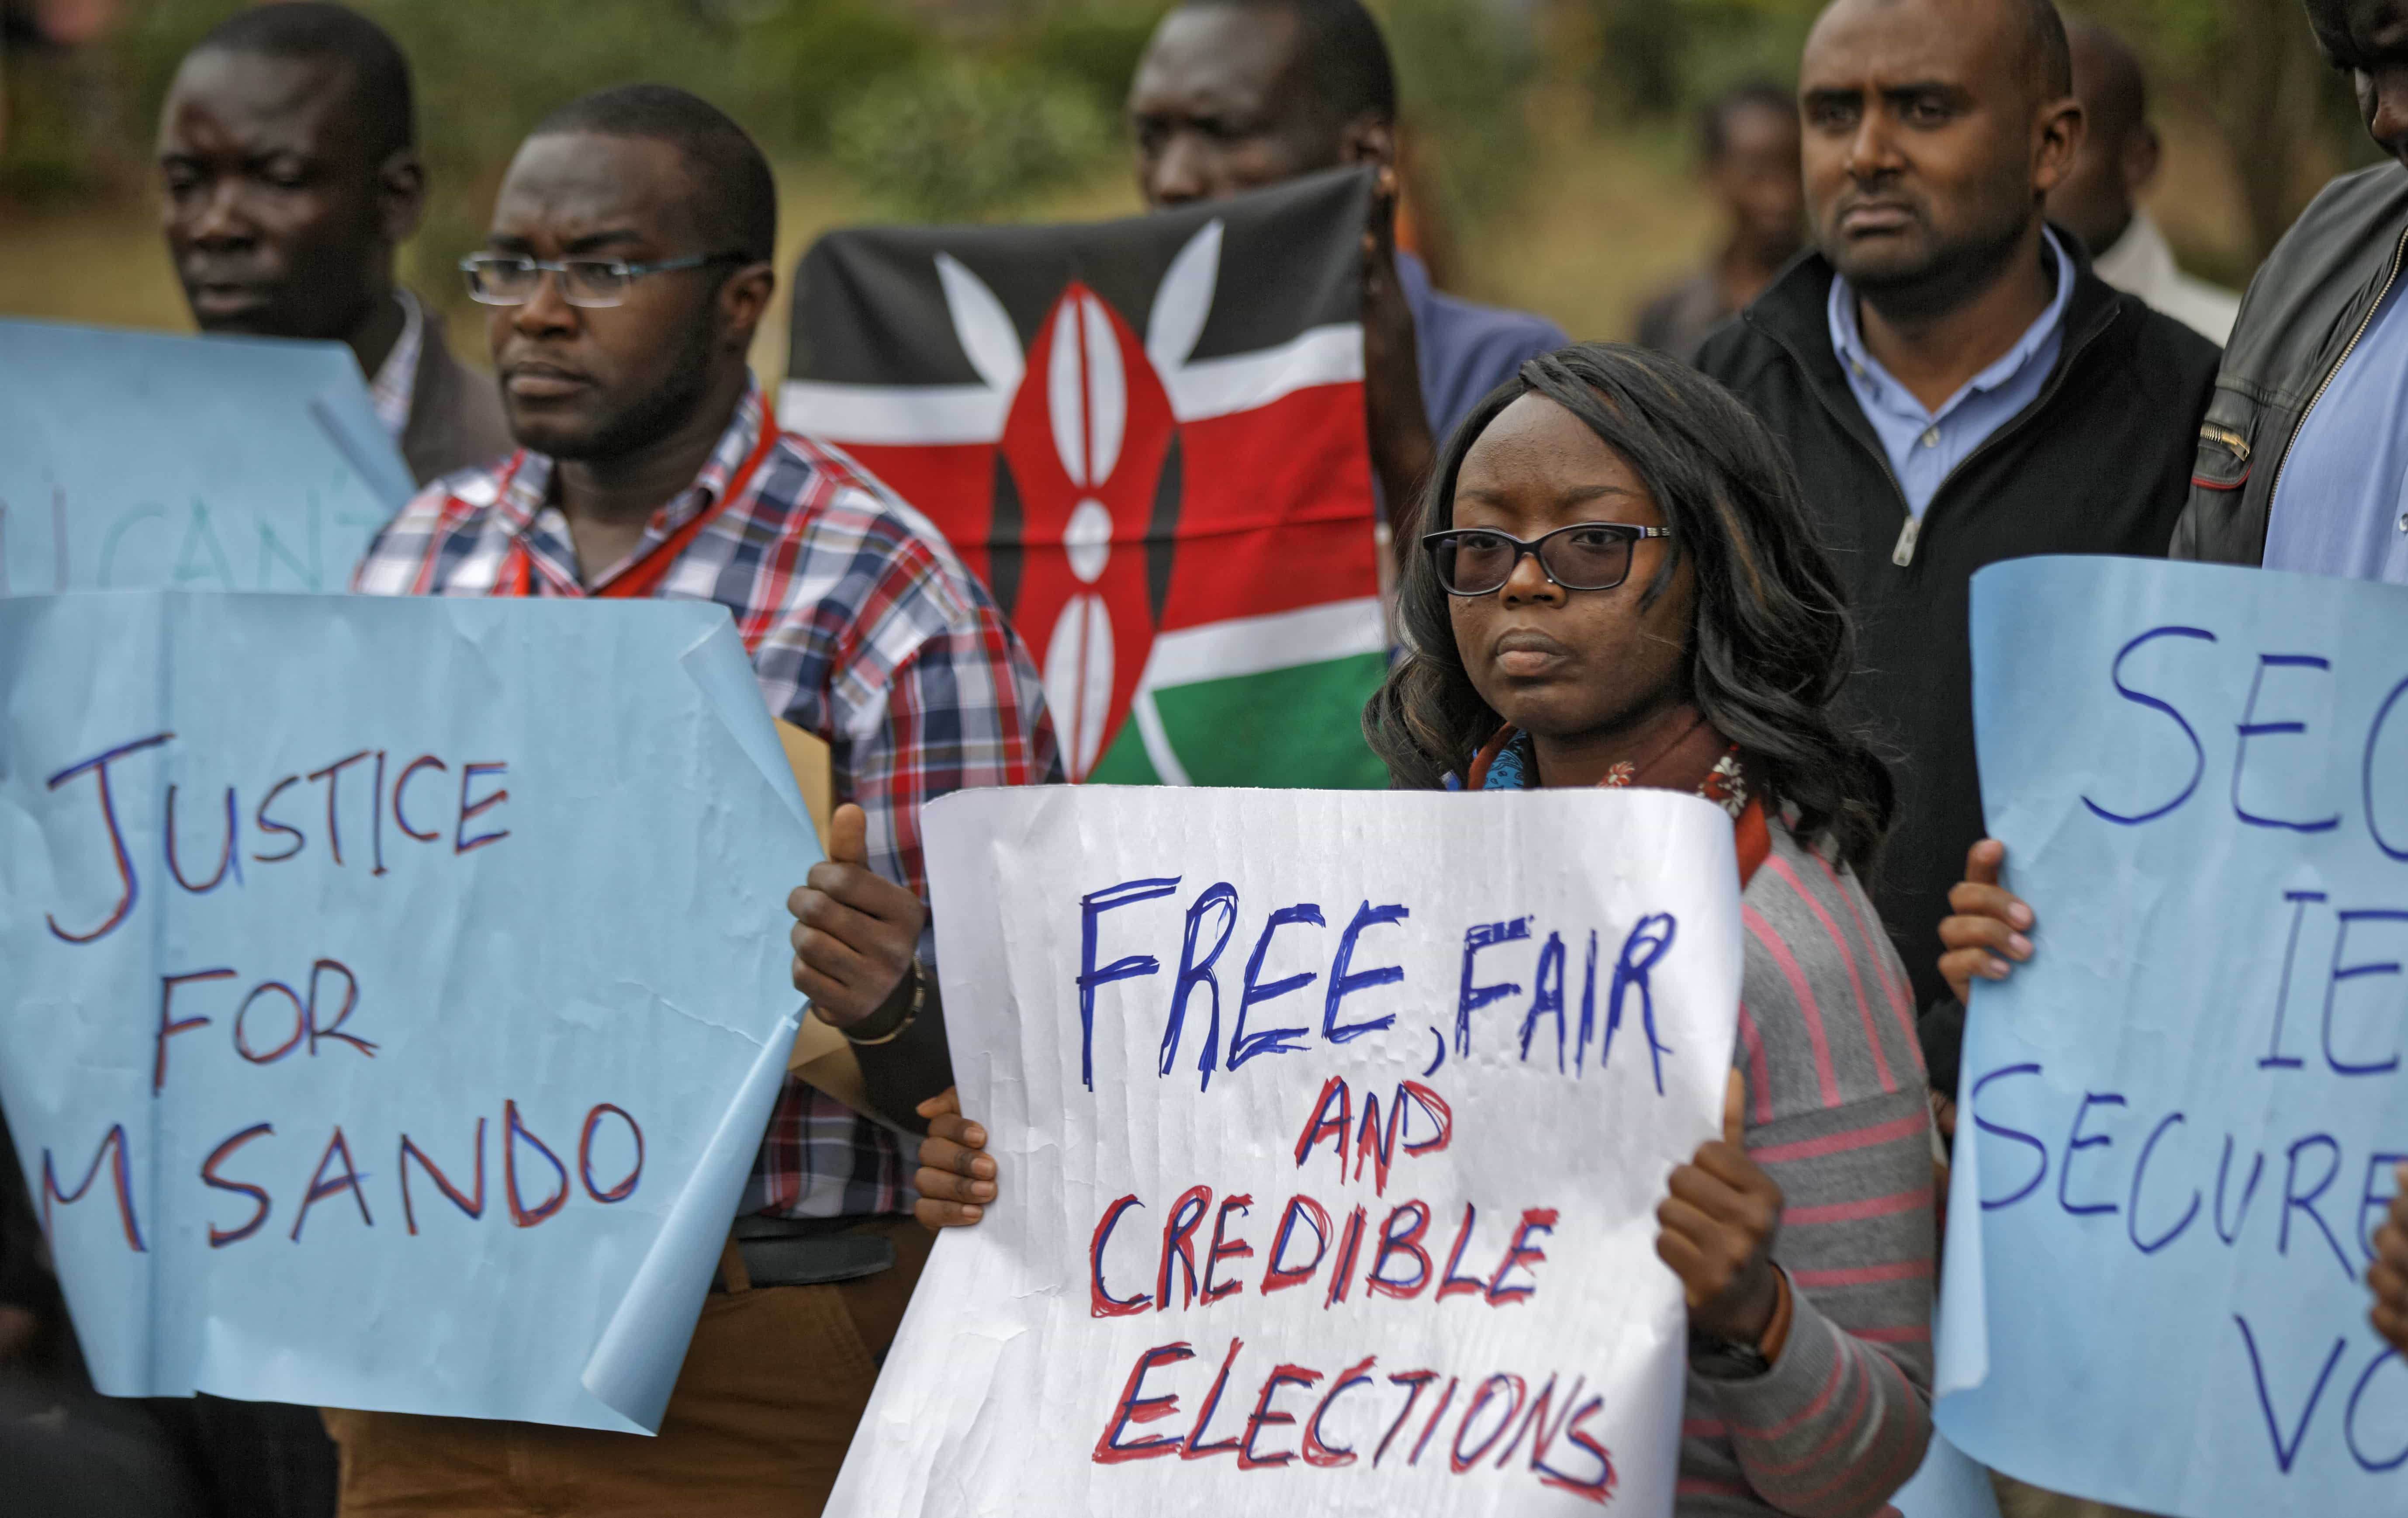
(1924, 445)
(2342, 505)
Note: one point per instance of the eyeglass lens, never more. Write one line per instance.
(513, 282)
(1584, 559)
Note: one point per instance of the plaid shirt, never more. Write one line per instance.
(863, 628)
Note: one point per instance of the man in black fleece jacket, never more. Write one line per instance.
(1954, 385)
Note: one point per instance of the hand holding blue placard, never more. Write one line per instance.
(2179, 1123)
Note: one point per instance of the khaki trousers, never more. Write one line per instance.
(773, 1383)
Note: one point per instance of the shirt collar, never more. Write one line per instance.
(1848, 342)
(2140, 261)
(529, 495)
(395, 382)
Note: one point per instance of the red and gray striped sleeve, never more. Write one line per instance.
(1837, 1115)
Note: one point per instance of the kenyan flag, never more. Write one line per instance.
(1147, 437)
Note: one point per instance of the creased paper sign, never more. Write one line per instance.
(137, 460)
(392, 992)
(1332, 1127)
(2178, 1124)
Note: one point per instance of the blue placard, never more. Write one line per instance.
(392, 993)
(136, 460)
(2178, 1124)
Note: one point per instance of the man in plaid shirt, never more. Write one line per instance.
(628, 266)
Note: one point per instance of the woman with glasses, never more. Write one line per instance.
(1620, 587)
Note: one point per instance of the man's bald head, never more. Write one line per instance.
(1933, 128)
(2031, 32)
(2046, 55)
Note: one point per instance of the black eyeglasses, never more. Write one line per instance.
(1585, 556)
(509, 280)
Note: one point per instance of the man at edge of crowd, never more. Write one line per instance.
(2322, 323)
(626, 270)
(2099, 198)
(1747, 140)
(1237, 95)
(1956, 385)
(289, 165)
(2299, 458)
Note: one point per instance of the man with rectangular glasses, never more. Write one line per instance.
(627, 267)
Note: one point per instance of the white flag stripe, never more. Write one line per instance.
(1065, 404)
(901, 415)
(1184, 302)
(1258, 644)
(982, 325)
(1330, 356)
(898, 415)
(1107, 391)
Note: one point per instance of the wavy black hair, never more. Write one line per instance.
(1773, 643)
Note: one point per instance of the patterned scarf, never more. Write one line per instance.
(1697, 759)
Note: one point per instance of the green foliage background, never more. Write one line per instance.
(995, 110)
(935, 111)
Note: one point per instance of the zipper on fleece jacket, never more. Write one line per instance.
(2389, 274)
(1911, 535)
(1903, 555)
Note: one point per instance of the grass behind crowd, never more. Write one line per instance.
(1608, 216)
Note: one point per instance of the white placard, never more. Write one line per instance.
(1332, 1128)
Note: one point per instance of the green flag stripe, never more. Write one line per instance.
(1296, 727)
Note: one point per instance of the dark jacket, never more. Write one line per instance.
(455, 413)
(2303, 313)
(2098, 464)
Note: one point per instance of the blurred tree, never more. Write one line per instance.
(808, 58)
(1642, 54)
(1095, 42)
(1653, 59)
(969, 138)
(485, 73)
(1004, 104)
(2289, 121)
(57, 105)
(1463, 72)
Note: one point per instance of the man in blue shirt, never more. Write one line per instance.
(2301, 462)
(1237, 95)
(1956, 386)
(1924, 445)
(2340, 507)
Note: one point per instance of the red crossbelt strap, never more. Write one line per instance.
(643, 577)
